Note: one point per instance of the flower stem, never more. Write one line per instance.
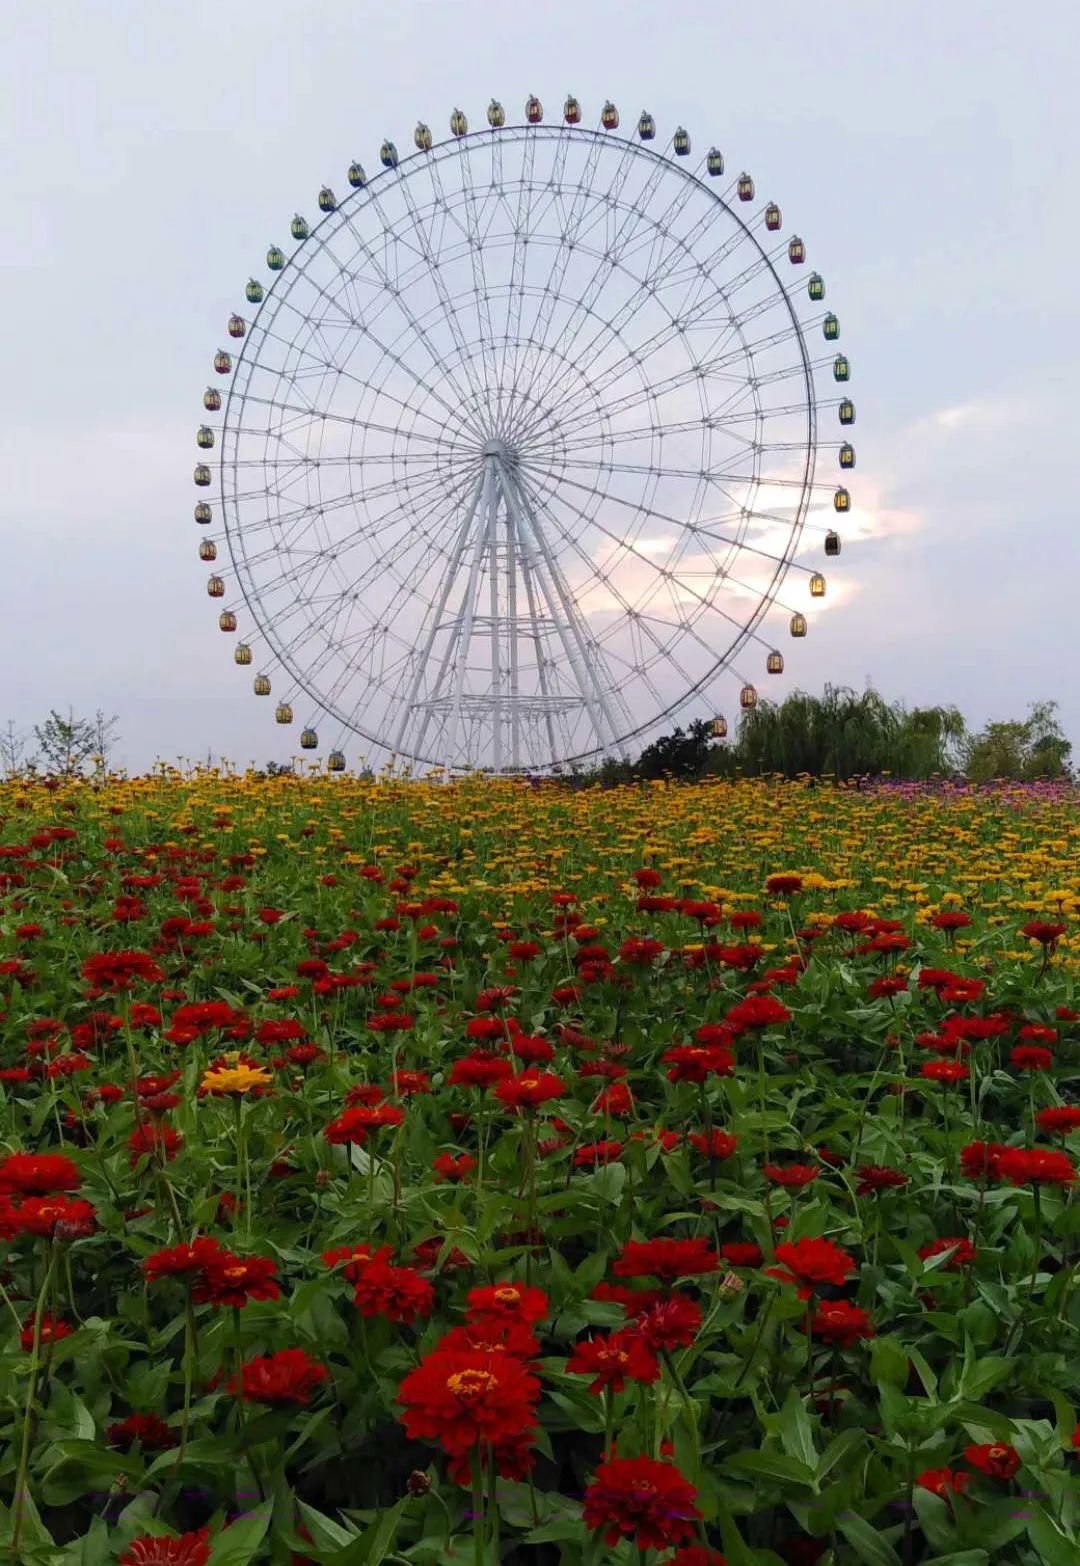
(21, 1495)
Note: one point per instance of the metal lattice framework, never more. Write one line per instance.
(520, 445)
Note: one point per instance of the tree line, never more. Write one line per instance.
(841, 734)
(848, 734)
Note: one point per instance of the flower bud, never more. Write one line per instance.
(418, 1482)
(731, 1286)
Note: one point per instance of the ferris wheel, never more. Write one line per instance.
(518, 447)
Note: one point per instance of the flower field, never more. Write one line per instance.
(397, 1172)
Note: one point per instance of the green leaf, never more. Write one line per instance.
(237, 1544)
(736, 1549)
(837, 1449)
(796, 1431)
(324, 1530)
(770, 1465)
(608, 1183)
(83, 1469)
(92, 1549)
(1052, 1546)
(888, 1363)
(960, 1558)
(868, 1543)
(935, 1518)
(375, 1544)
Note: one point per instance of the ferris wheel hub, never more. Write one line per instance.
(498, 448)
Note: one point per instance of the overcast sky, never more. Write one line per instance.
(927, 152)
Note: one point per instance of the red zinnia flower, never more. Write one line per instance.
(451, 1168)
(963, 1252)
(944, 1071)
(593, 1154)
(810, 1263)
(793, 1177)
(667, 1260)
(462, 1400)
(1059, 1117)
(614, 1100)
(38, 1174)
(53, 1328)
(190, 1549)
(614, 1360)
(530, 1090)
(717, 1144)
(940, 1481)
(507, 1303)
(58, 1216)
(981, 1160)
(644, 1500)
(839, 1322)
(181, 1260)
(120, 970)
(647, 878)
(152, 1137)
(783, 885)
(742, 1254)
(150, 1430)
(1042, 930)
(233, 1280)
(878, 1177)
(353, 1125)
(696, 1062)
(996, 1459)
(1036, 1166)
(397, 1293)
(287, 1377)
(497, 998)
(480, 1069)
(757, 1011)
(1031, 1057)
(356, 1258)
(1037, 1033)
(884, 988)
(669, 1324)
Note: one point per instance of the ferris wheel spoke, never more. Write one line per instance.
(612, 328)
(325, 416)
(428, 504)
(649, 514)
(689, 316)
(552, 588)
(360, 326)
(481, 296)
(515, 291)
(434, 274)
(339, 372)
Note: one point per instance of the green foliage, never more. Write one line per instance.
(845, 733)
(1033, 747)
(848, 734)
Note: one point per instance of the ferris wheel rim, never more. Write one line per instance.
(296, 266)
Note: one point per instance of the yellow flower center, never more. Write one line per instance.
(508, 1295)
(469, 1384)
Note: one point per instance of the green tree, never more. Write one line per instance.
(846, 733)
(683, 754)
(1022, 748)
(66, 744)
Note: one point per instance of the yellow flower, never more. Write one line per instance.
(235, 1079)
